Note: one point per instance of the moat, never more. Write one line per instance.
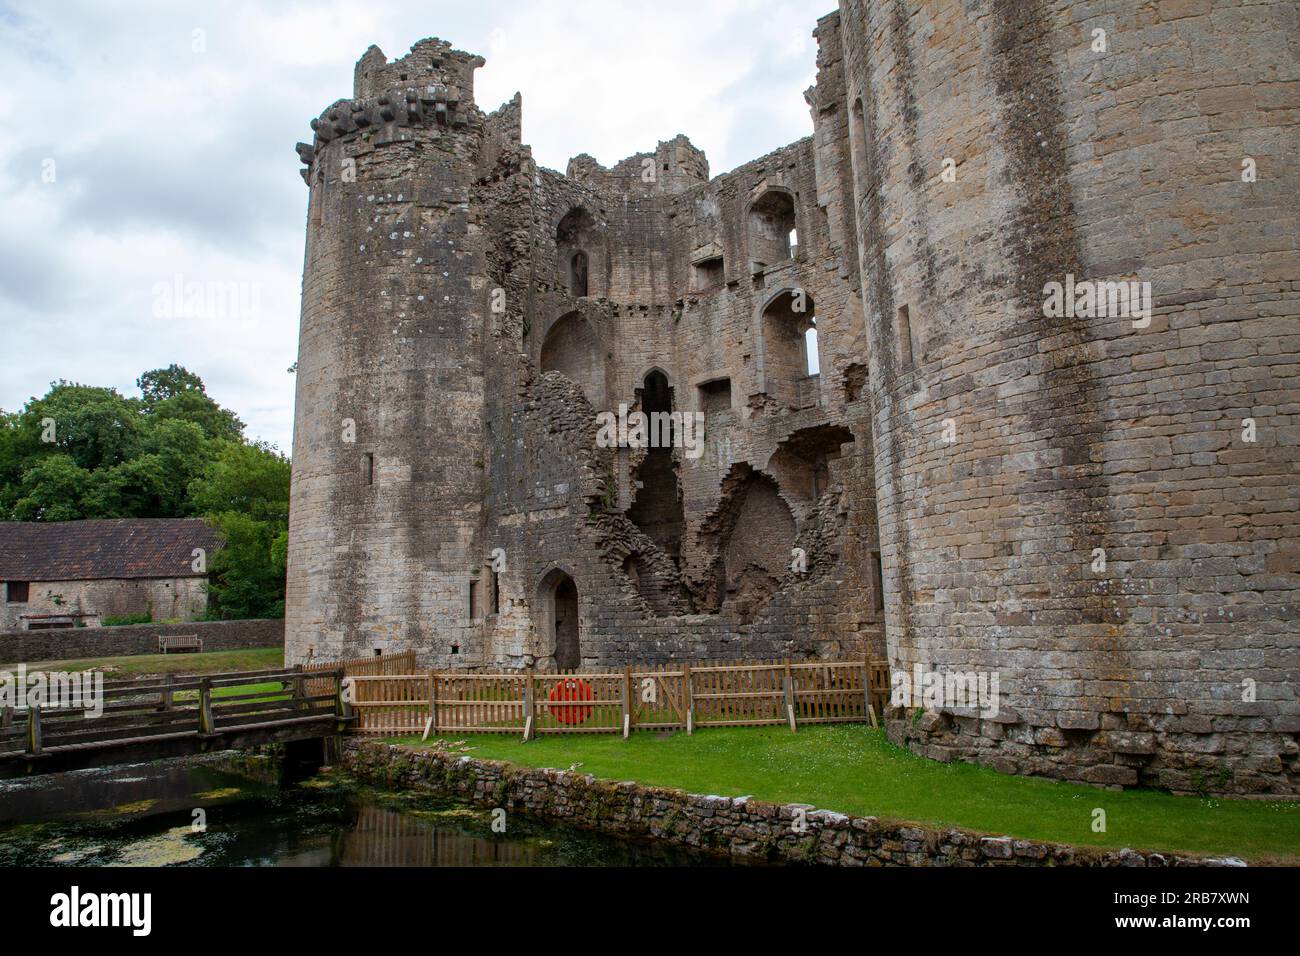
(254, 814)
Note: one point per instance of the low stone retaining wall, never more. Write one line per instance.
(741, 826)
(72, 642)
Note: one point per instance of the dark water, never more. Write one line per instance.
(145, 815)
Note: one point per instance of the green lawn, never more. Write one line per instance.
(251, 659)
(853, 769)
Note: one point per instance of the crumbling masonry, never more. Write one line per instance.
(1099, 509)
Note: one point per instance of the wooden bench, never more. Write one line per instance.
(179, 642)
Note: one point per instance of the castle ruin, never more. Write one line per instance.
(907, 451)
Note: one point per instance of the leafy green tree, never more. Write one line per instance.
(96, 427)
(252, 479)
(11, 463)
(248, 571)
(160, 384)
(54, 488)
(245, 494)
(81, 451)
(175, 392)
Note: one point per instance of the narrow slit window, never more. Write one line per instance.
(878, 580)
(368, 467)
(496, 592)
(903, 334)
(473, 601)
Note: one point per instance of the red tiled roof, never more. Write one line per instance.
(96, 550)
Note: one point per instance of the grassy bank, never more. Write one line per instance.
(853, 769)
(250, 659)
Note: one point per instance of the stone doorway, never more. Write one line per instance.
(560, 619)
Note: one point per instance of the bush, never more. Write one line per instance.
(124, 619)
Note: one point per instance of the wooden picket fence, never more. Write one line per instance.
(384, 664)
(663, 697)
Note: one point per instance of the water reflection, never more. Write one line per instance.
(144, 815)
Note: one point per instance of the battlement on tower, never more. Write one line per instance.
(431, 62)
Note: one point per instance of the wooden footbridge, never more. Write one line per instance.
(174, 716)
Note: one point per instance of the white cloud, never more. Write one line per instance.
(172, 162)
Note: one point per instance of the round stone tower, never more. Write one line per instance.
(388, 449)
(1070, 229)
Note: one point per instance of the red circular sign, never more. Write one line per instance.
(571, 689)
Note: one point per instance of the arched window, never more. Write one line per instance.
(790, 346)
(771, 228)
(578, 274)
(575, 236)
(811, 359)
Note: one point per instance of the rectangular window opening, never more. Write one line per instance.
(473, 601)
(16, 592)
(496, 592)
(368, 467)
(707, 274)
(715, 396)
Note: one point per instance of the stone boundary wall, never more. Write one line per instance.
(74, 642)
(740, 827)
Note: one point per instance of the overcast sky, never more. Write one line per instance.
(138, 153)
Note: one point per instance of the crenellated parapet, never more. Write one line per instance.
(431, 87)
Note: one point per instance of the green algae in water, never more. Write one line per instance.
(166, 849)
(125, 809)
(221, 793)
(78, 855)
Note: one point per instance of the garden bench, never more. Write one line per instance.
(179, 642)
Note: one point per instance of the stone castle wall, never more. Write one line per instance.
(959, 460)
(1073, 435)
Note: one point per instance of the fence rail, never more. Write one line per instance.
(668, 697)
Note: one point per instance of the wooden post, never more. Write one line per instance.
(167, 701)
(206, 724)
(688, 699)
(866, 689)
(530, 712)
(6, 717)
(434, 726)
(627, 702)
(428, 723)
(342, 706)
(299, 692)
(789, 696)
(34, 730)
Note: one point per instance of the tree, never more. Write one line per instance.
(252, 479)
(175, 392)
(96, 427)
(160, 384)
(248, 571)
(81, 451)
(244, 492)
(52, 489)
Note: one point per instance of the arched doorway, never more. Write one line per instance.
(572, 348)
(560, 623)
